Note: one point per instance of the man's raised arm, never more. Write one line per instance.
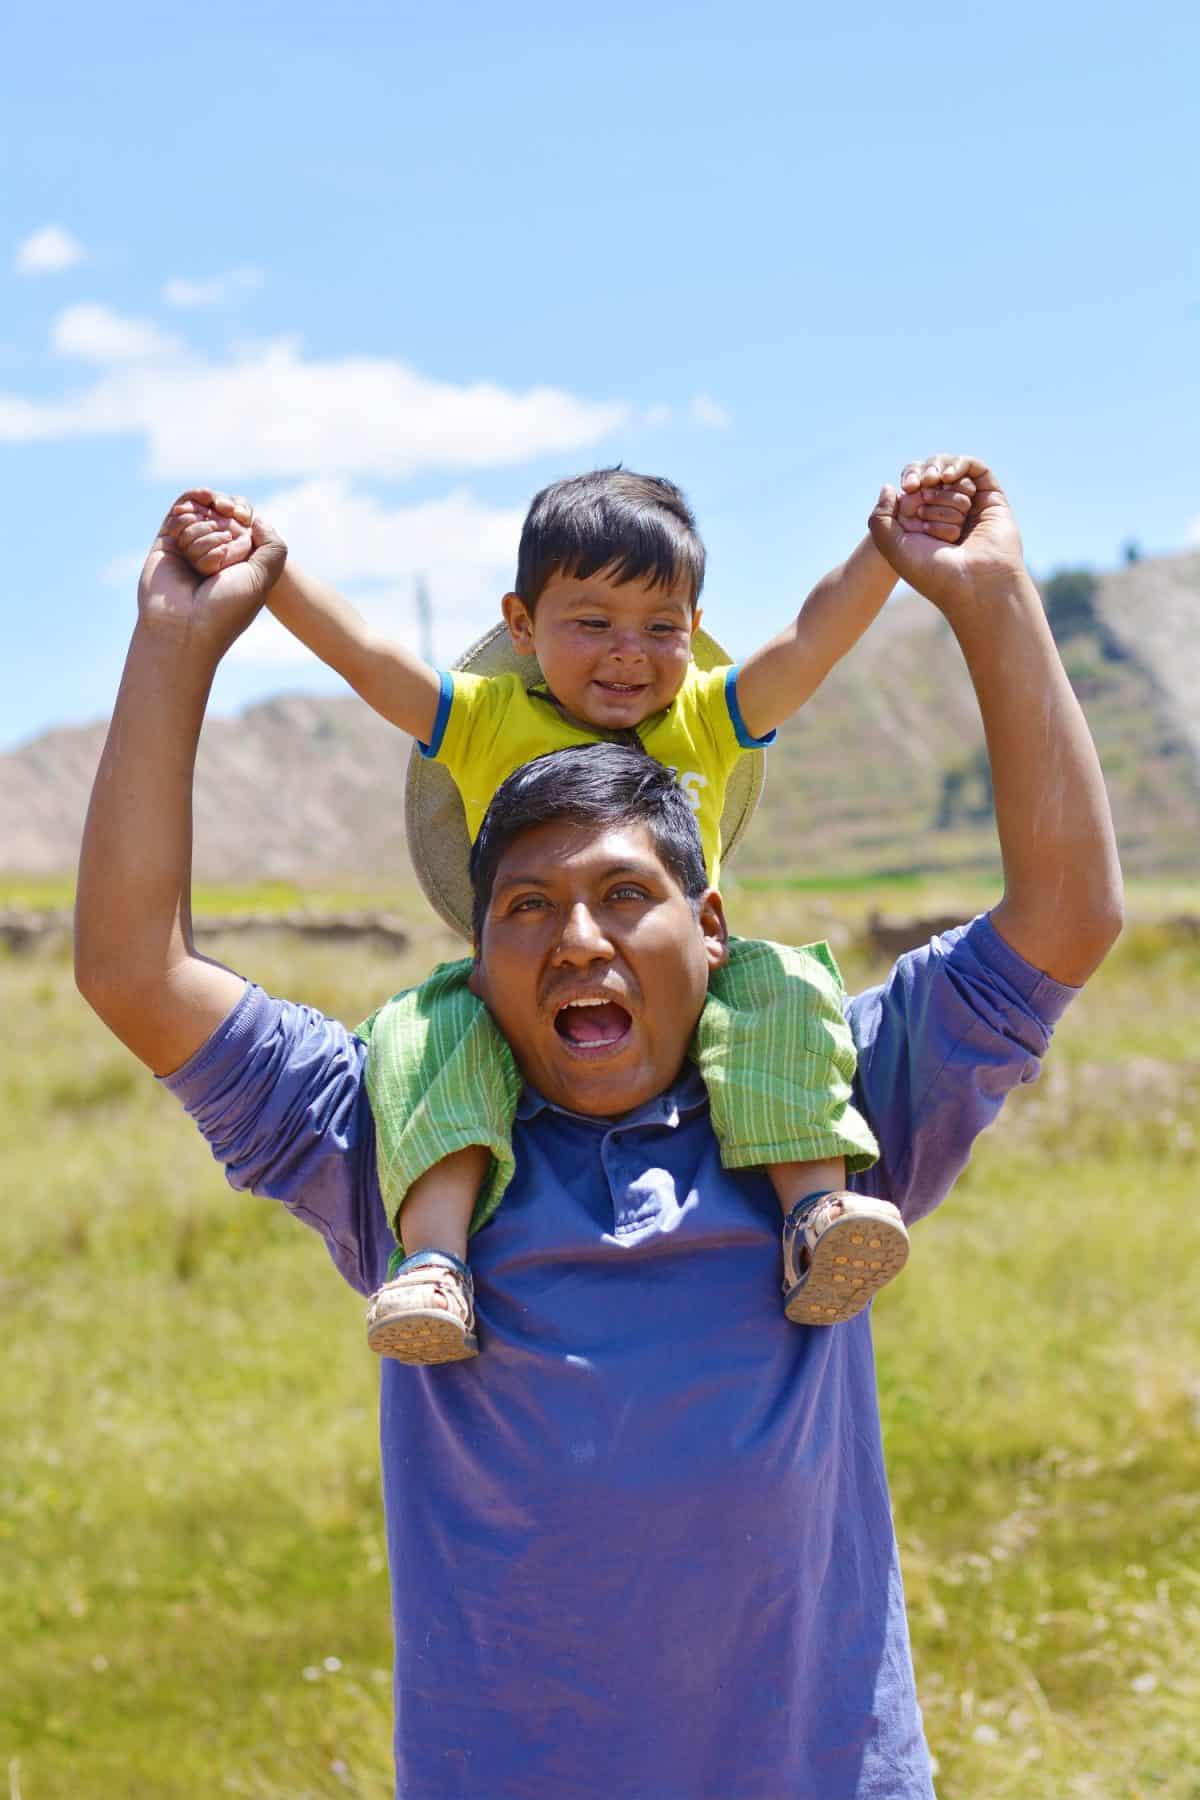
(134, 958)
(1062, 905)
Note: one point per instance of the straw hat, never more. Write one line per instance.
(438, 840)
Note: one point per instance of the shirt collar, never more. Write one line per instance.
(685, 1095)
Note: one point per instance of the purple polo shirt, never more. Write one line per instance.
(642, 1545)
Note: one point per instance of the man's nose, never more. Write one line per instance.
(582, 939)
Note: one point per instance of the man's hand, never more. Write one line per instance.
(907, 529)
(209, 570)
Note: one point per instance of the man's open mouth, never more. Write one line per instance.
(592, 1024)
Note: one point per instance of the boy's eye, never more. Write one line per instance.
(594, 624)
(662, 629)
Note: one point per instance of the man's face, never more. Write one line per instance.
(595, 964)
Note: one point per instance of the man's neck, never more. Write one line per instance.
(683, 1093)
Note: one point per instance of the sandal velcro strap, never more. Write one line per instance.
(428, 1259)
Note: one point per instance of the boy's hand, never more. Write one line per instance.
(211, 530)
(907, 530)
(935, 498)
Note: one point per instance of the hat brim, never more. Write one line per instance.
(438, 841)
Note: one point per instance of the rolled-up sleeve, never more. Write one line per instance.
(957, 1025)
(278, 1092)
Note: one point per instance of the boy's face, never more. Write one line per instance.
(612, 654)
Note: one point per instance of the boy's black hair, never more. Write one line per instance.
(638, 526)
(589, 784)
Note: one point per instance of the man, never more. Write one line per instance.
(643, 1547)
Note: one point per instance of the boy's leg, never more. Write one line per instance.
(778, 1061)
(441, 1079)
(426, 1312)
(797, 1181)
(439, 1205)
(443, 1089)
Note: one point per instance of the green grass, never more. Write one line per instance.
(57, 892)
(192, 1585)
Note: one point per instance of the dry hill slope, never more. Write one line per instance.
(884, 770)
(297, 788)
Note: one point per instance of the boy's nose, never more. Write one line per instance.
(627, 645)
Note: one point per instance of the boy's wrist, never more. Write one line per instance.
(867, 559)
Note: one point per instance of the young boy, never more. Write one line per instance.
(609, 575)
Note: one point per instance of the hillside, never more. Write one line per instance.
(883, 772)
(297, 788)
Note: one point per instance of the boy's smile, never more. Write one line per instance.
(613, 653)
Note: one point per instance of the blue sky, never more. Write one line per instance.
(388, 271)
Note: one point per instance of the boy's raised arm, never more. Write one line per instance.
(211, 530)
(776, 681)
(135, 962)
(1062, 905)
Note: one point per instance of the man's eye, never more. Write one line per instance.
(528, 903)
(628, 890)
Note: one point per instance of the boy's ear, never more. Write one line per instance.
(519, 620)
(697, 615)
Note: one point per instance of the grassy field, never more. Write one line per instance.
(192, 1583)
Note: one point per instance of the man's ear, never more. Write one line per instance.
(475, 978)
(519, 620)
(711, 915)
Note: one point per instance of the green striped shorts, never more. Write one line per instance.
(772, 1046)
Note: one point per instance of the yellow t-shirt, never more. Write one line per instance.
(490, 725)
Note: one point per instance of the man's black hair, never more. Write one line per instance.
(639, 527)
(589, 784)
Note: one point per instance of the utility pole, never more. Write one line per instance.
(424, 608)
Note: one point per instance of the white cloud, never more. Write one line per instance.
(24, 422)
(47, 251)
(212, 290)
(709, 413)
(659, 414)
(1193, 536)
(270, 413)
(349, 536)
(464, 551)
(94, 334)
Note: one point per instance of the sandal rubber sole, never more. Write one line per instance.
(855, 1257)
(426, 1337)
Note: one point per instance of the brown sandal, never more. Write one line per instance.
(426, 1312)
(838, 1251)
